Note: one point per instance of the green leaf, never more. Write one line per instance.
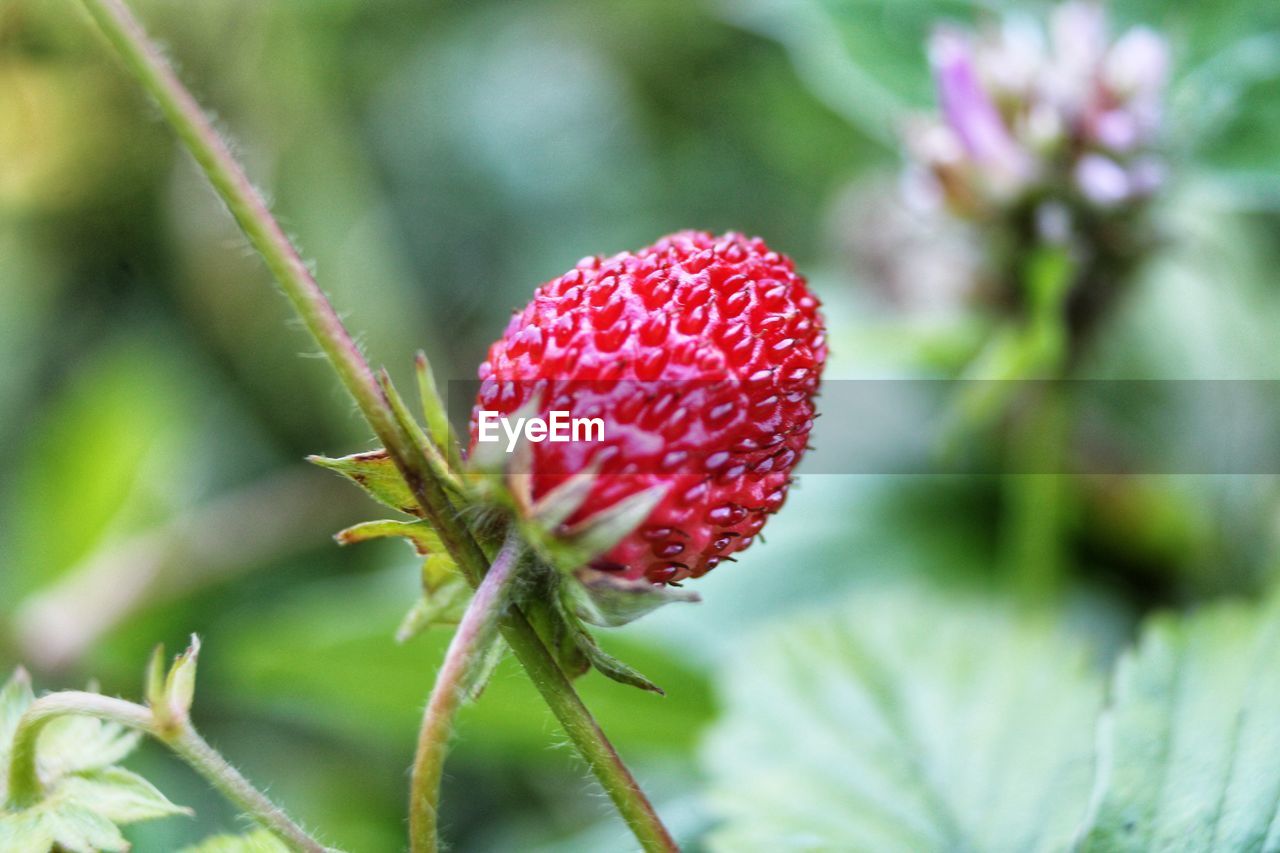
(78, 744)
(1190, 752)
(86, 796)
(376, 474)
(68, 825)
(82, 813)
(261, 841)
(118, 795)
(901, 722)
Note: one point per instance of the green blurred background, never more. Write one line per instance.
(437, 161)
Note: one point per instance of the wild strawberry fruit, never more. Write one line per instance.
(702, 356)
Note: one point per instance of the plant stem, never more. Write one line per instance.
(182, 112)
(467, 649)
(24, 781)
(1034, 498)
(209, 763)
(587, 736)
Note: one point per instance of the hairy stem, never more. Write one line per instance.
(470, 643)
(209, 763)
(182, 112)
(24, 781)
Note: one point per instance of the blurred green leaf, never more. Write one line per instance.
(1190, 752)
(906, 721)
(324, 657)
(105, 455)
(257, 842)
(864, 60)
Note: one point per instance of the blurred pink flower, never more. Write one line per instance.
(1059, 113)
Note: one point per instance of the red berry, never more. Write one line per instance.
(702, 354)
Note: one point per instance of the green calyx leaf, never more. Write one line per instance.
(419, 534)
(477, 677)
(87, 797)
(503, 476)
(555, 507)
(547, 601)
(605, 663)
(433, 411)
(433, 453)
(441, 603)
(569, 550)
(599, 533)
(603, 598)
(376, 474)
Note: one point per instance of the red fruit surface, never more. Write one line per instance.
(703, 355)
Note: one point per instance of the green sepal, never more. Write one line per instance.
(539, 602)
(376, 474)
(500, 476)
(155, 678)
(603, 598)
(170, 693)
(435, 460)
(556, 506)
(445, 594)
(568, 549)
(548, 603)
(478, 675)
(599, 533)
(433, 411)
(441, 604)
(419, 534)
(600, 660)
